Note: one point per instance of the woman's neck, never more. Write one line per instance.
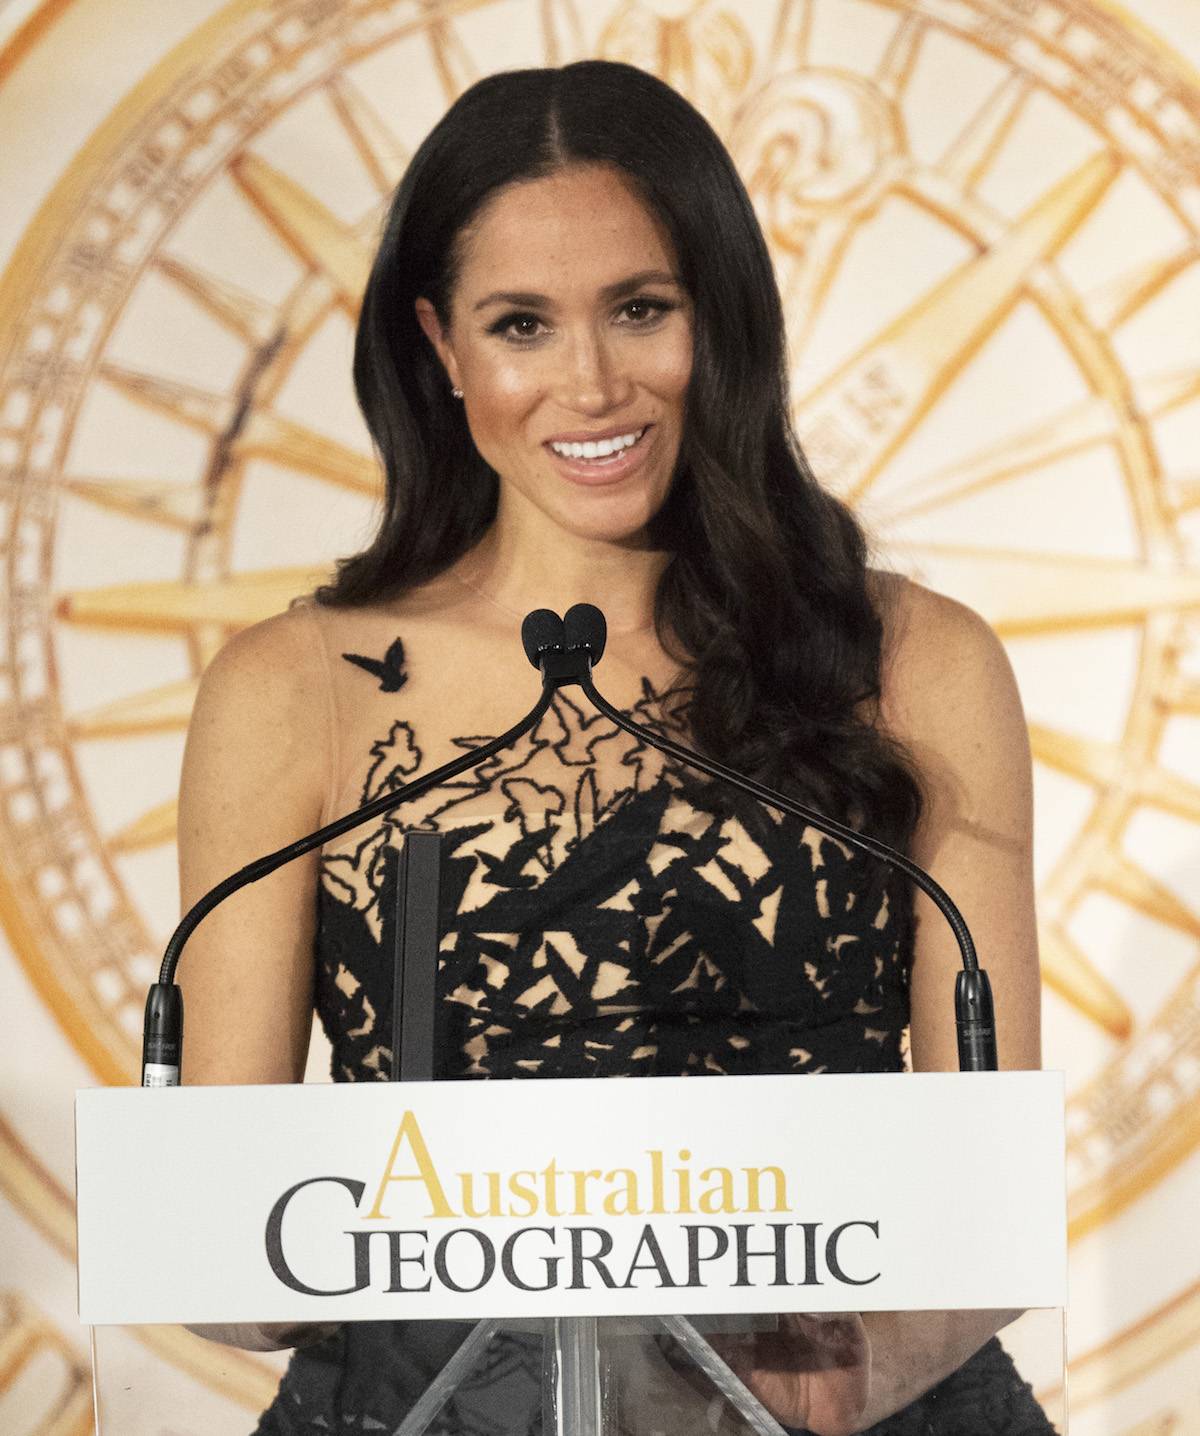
(518, 576)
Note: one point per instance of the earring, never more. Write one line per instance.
(457, 393)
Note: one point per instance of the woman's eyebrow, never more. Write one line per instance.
(609, 292)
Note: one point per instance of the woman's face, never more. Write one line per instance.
(570, 335)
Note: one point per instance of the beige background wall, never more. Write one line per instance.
(984, 215)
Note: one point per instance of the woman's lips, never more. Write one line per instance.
(604, 471)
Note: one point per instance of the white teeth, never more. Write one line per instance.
(599, 448)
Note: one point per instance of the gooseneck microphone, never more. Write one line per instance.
(162, 1032)
(584, 633)
(564, 650)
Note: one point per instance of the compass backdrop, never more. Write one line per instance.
(985, 216)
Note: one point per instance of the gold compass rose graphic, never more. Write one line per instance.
(985, 216)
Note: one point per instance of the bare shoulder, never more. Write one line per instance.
(262, 705)
(948, 691)
(939, 658)
(275, 663)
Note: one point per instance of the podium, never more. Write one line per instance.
(629, 1247)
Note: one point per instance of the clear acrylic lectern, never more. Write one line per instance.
(637, 1377)
(573, 1255)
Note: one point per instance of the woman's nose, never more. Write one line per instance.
(594, 379)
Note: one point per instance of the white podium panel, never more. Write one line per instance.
(620, 1258)
(571, 1198)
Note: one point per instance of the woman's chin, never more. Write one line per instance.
(619, 520)
(632, 536)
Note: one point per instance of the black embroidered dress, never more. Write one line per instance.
(602, 916)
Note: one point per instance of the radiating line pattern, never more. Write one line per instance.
(832, 134)
(35, 1360)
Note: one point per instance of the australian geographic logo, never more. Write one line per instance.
(578, 1229)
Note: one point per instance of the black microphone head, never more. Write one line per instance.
(584, 627)
(541, 630)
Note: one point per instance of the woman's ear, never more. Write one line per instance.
(431, 325)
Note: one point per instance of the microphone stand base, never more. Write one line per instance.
(581, 1388)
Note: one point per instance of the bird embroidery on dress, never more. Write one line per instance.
(602, 913)
(391, 673)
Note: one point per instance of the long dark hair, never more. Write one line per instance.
(765, 595)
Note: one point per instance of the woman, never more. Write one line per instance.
(571, 359)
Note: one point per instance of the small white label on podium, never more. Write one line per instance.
(560, 1198)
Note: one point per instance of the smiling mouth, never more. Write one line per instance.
(600, 451)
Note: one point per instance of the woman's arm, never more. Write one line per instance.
(949, 695)
(254, 775)
(253, 780)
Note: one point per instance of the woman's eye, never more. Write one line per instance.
(525, 328)
(645, 311)
(519, 327)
